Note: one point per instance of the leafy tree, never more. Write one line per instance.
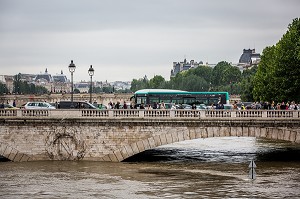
(22, 87)
(264, 79)
(141, 83)
(224, 73)
(217, 74)
(195, 83)
(287, 68)
(38, 89)
(202, 71)
(108, 89)
(3, 89)
(157, 82)
(226, 77)
(278, 73)
(18, 84)
(247, 84)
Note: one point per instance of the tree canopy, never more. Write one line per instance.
(278, 74)
(22, 87)
(202, 78)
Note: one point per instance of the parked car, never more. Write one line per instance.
(8, 106)
(201, 107)
(75, 105)
(228, 106)
(170, 105)
(183, 106)
(38, 105)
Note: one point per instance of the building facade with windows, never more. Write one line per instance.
(182, 66)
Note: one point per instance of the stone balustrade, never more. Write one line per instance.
(158, 113)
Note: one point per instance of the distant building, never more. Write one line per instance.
(83, 86)
(60, 84)
(182, 66)
(44, 77)
(249, 58)
(60, 78)
(120, 85)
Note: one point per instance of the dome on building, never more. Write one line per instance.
(60, 78)
(44, 77)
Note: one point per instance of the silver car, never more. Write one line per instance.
(38, 105)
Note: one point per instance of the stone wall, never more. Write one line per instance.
(115, 139)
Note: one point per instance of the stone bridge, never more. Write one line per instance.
(114, 135)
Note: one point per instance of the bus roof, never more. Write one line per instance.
(145, 91)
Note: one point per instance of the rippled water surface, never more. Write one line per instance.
(204, 168)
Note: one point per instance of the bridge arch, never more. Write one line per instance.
(13, 154)
(152, 142)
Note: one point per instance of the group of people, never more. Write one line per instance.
(118, 105)
(268, 106)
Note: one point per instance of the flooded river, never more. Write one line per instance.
(203, 168)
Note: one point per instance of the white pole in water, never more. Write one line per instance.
(252, 173)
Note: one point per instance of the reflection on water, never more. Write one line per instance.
(204, 168)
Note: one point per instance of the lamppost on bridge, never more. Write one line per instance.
(72, 68)
(91, 73)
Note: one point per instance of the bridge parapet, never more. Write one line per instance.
(157, 113)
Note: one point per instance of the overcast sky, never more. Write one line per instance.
(126, 39)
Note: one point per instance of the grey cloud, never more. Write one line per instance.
(145, 36)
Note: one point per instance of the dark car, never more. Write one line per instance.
(75, 105)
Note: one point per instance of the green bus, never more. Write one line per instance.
(149, 96)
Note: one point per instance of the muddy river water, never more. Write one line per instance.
(203, 168)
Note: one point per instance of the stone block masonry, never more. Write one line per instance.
(115, 139)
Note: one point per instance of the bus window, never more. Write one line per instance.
(213, 101)
(202, 101)
(176, 100)
(141, 100)
(189, 100)
(153, 99)
(166, 100)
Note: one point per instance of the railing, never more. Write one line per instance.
(157, 113)
(36, 113)
(8, 112)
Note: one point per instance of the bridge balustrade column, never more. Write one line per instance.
(110, 113)
(233, 114)
(141, 113)
(264, 114)
(19, 113)
(172, 113)
(295, 114)
(202, 114)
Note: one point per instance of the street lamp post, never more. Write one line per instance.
(72, 68)
(91, 73)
